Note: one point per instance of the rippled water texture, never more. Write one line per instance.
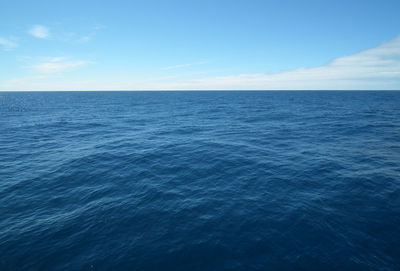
(200, 181)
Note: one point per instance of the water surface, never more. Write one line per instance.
(200, 181)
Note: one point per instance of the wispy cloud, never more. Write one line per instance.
(39, 31)
(88, 37)
(7, 44)
(184, 65)
(374, 68)
(58, 64)
(48, 83)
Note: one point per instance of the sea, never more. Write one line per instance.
(200, 180)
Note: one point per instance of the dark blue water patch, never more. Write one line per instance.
(200, 180)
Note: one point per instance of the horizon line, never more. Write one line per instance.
(199, 90)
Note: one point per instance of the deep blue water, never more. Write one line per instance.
(200, 181)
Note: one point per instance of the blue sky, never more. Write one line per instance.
(123, 45)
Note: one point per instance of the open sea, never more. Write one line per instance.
(269, 180)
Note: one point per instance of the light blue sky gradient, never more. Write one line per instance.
(89, 45)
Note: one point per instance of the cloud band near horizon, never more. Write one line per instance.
(375, 68)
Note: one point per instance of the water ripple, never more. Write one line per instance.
(200, 181)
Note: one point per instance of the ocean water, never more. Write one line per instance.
(294, 180)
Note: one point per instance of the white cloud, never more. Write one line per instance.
(374, 68)
(58, 64)
(7, 44)
(39, 31)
